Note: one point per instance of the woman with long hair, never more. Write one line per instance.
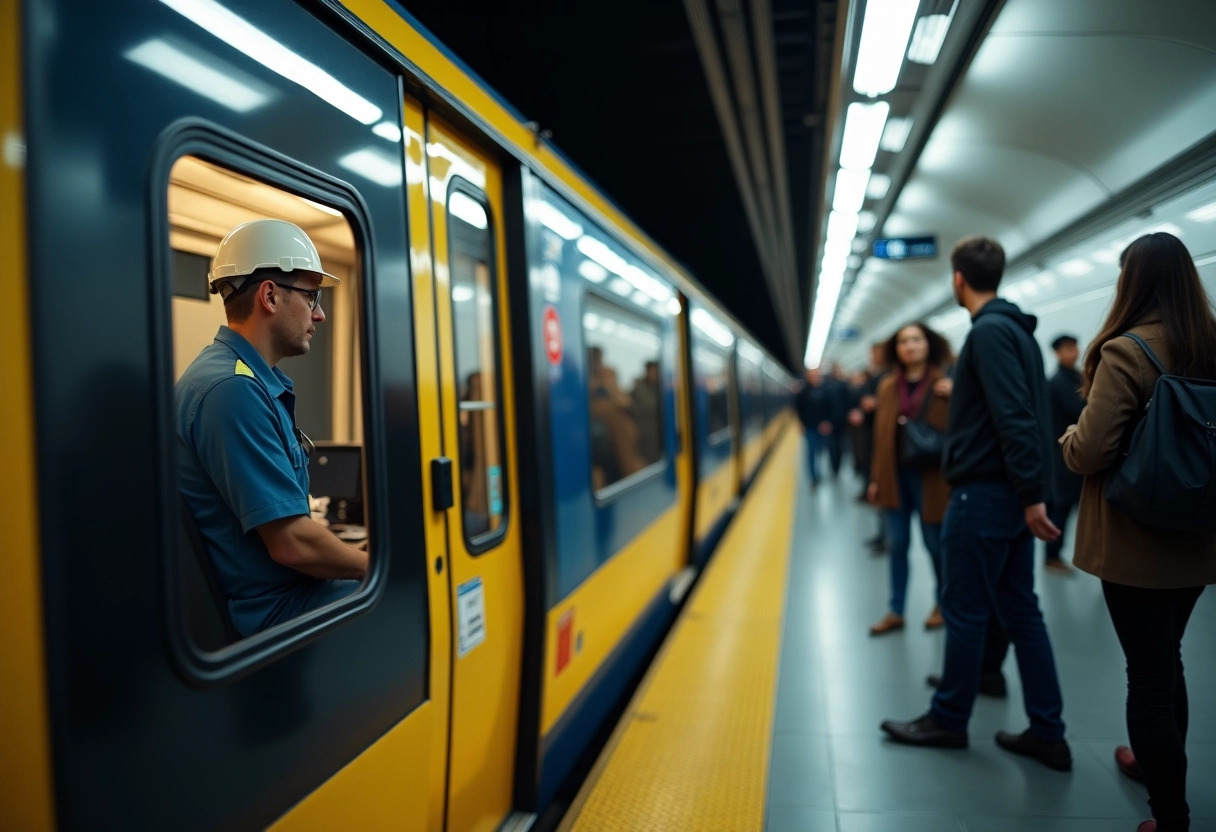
(914, 391)
(1151, 577)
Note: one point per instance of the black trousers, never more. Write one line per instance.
(1150, 624)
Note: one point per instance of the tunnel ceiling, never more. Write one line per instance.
(623, 88)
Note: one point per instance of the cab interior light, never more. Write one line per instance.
(863, 128)
(884, 38)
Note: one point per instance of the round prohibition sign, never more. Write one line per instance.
(553, 335)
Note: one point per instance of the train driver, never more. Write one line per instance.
(243, 464)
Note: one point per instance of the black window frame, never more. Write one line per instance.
(480, 544)
(626, 485)
(220, 147)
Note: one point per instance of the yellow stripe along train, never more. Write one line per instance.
(537, 420)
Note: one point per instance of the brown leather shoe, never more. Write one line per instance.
(935, 620)
(889, 624)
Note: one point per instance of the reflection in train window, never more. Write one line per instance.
(272, 522)
(750, 373)
(711, 350)
(624, 391)
(482, 481)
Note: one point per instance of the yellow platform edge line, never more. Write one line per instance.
(692, 749)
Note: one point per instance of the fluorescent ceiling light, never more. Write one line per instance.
(593, 271)
(842, 226)
(859, 246)
(854, 261)
(243, 36)
(462, 294)
(388, 130)
(591, 321)
(1107, 255)
(197, 75)
(1205, 214)
(464, 207)
(1076, 268)
(375, 165)
(928, 37)
(1167, 227)
(333, 212)
(555, 220)
(850, 190)
(884, 37)
(895, 134)
(1205, 261)
(879, 183)
(1045, 279)
(647, 283)
(865, 222)
(863, 127)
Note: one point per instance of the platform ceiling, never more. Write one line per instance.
(623, 88)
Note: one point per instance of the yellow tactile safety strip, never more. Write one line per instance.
(692, 750)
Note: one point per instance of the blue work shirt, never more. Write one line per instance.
(241, 465)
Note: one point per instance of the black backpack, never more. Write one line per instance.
(1168, 476)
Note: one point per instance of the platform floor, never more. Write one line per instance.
(831, 769)
(761, 711)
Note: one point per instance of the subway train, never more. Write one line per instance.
(536, 420)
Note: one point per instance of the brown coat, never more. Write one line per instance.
(1109, 543)
(885, 466)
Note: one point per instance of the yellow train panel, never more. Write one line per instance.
(26, 798)
(606, 605)
(386, 787)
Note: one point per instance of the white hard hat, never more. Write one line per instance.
(265, 244)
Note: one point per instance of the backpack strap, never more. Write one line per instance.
(1151, 356)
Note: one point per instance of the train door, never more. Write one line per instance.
(473, 475)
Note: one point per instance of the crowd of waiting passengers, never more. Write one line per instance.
(990, 454)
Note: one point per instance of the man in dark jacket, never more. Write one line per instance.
(1066, 407)
(815, 409)
(998, 461)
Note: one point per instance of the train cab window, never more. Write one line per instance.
(474, 310)
(624, 391)
(711, 349)
(267, 404)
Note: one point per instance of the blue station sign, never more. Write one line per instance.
(906, 248)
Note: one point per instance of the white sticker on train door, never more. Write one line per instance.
(471, 615)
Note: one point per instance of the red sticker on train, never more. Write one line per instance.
(553, 335)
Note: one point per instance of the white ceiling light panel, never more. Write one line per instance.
(863, 128)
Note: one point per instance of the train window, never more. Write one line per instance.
(267, 405)
(750, 359)
(712, 342)
(474, 311)
(624, 391)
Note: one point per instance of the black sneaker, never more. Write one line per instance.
(1054, 755)
(924, 732)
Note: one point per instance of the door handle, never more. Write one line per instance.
(442, 496)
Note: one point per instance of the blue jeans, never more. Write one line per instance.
(989, 569)
(899, 535)
(814, 444)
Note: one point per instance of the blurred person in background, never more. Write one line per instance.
(1151, 576)
(815, 412)
(1066, 407)
(912, 391)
